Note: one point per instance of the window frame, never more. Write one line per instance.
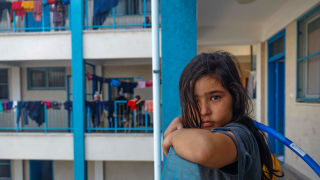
(306, 57)
(46, 87)
(6, 164)
(7, 84)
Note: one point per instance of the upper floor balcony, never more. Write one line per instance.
(54, 15)
(125, 27)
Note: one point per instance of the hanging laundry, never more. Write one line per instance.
(101, 9)
(56, 105)
(68, 105)
(16, 6)
(89, 76)
(1, 108)
(95, 80)
(50, 2)
(27, 6)
(14, 105)
(128, 87)
(106, 80)
(65, 1)
(115, 83)
(132, 104)
(37, 10)
(36, 112)
(149, 106)
(10, 103)
(141, 84)
(23, 109)
(5, 105)
(4, 6)
(47, 103)
(149, 83)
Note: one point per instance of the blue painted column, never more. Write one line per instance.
(78, 89)
(179, 46)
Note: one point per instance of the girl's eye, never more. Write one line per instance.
(214, 98)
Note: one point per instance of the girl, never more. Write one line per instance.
(215, 130)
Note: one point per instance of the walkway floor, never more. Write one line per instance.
(292, 174)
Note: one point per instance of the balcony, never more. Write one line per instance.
(48, 17)
(48, 117)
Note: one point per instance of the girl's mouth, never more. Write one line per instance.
(205, 124)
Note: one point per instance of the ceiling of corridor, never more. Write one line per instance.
(227, 22)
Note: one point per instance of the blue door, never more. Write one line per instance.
(40, 170)
(276, 90)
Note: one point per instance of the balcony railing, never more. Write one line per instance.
(115, 117)
(124, 14)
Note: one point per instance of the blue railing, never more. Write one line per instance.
(120, 119)
(125, 14)
(296, 149)
(54, 121)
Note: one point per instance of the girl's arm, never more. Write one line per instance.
(212, 150)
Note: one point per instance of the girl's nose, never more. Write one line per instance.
(204, 109)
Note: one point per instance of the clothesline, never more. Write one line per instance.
(125, 87)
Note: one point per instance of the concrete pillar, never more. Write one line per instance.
(17, 169)
(98, 170)
(259, 83)
(179, 46)
(15, 83)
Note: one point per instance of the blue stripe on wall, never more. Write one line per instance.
(179, 46)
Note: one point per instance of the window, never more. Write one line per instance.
(4, 85)
(309, 57)
(46, 78)
(5, 169)
(133, 7)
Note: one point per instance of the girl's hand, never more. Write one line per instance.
(166, 144)
(176, 124)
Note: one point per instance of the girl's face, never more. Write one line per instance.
(214, 101)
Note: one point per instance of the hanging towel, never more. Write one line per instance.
(16, 6)
(27, 6)
(14, 105)
(141, 84)
(37, 10)
(149, 83)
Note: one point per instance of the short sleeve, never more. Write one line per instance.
(247, 147)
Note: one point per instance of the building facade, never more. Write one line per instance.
(275, 42)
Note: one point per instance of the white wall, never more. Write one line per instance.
(301, 119)
(63, 170)
(128, 170)
(133, 43)
(36, 146)
(119, 147)
(59, 146)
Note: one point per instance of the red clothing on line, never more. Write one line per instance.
(16, 6)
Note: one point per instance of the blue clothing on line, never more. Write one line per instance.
(101, 9)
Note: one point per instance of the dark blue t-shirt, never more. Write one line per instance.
(247, 165)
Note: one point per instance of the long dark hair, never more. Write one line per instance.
(223, 67)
